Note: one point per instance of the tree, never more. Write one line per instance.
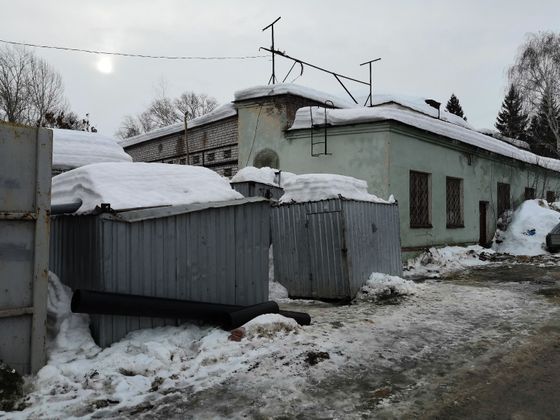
(541, 137)
(536, 75)
(454, 107)
(29, 87)
(164, 111)
(512, 121)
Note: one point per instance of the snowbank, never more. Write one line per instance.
(437, 261)
(264, 175)
(339, 117)
(384, 286)
(220, 113)
(269, 325)
(315, 187)
(292, 89)
(526, 234)
(134, 185)
(72, 149)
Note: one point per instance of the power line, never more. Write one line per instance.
(156, 57)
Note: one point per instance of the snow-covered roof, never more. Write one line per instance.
(72, 149)
(136, 185)
(497, 135)
(292, 89)
(220, 113)
(339, 117)
(264, 175)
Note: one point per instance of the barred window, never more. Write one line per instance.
(227, 153)
(503, 198)
(183, 161)
(196, 159)
(550, 196)
(211, 156)
(529, 193)
(420, 200)
(227, 172)
(454, 202)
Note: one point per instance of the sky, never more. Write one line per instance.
(428, 48)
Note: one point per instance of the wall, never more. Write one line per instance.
(216, 138)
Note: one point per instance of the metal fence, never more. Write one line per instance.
(25, 180)
(211, 253)
(257, 189)
(327, 249)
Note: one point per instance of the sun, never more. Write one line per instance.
(105, 65)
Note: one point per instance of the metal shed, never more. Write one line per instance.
(327, 249)
(215, 252)
(25, 185)
(553, 239)
(257, 189)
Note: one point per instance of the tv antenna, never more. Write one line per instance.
(271, 26)
(370, 97)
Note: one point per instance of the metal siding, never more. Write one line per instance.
(217, 254)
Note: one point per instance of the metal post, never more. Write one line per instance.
(186, 141)
(271, 26)
(370, 62)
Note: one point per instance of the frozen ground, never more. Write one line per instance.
(364, 360)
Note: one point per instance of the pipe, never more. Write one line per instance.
(226, 316)
(301, 318)
(65, 208)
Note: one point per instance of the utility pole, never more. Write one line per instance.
(370, 62)
(271, 26)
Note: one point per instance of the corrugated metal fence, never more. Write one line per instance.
(258, 189)
(327, 249)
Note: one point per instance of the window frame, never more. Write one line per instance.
(499, 195)
(461, 211)
(532, 195)
(428, 211)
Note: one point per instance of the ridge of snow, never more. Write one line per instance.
(316, 187)
(291, 89)
(138, 184)
(220, 113)
(73, 148)
(497, 135)
(339, 117)
(263, 175)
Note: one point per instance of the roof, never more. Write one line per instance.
(341, 117)
(220, 113)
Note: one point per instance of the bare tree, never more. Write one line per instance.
(536, 75)
(46, 91)
(130, 127)
(195, 105)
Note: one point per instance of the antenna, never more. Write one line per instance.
(271, 26)
(370, 97)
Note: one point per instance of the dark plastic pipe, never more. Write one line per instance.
(65, 208)
(301, 318)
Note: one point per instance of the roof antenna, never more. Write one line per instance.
(271, 26)
(370, 97)
(434, 104)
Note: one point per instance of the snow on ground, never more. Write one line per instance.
(72, 149)
(315, 187)
(134, 185)
(382, 286)
(436, 262)
(264, 175)
(526, 234)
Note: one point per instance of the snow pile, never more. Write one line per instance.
(269, 325)
(276, 291)
(382, 286)
(135, 185)
(526, 234)
(339, 117)
(315, 187)
(264, 175)
(72, 149)
(220, 113)
(438, 261)
(292, 89)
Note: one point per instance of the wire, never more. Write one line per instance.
(157, 57)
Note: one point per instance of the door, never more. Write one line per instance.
(483, 211)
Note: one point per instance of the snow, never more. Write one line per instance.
(436, 262)
(382, 286)
(340, 117)
(135, 185)
(72, 149)
(263, 175)
(292, 89)
(276, 291)
(497, 135)
(220, 113)
(315, 187)
(519, 239)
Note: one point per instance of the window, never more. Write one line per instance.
(420, 200)
(454, 202)
(550, 196)
(529, 193)
(227, 172)
(503, 198)
(227, 154)
(196, 160)
(183, 161)
(211, 156)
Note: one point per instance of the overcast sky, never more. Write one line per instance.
(428, 48)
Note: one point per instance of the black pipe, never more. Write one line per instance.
(301, 318)
(226, 316)
(65, 208)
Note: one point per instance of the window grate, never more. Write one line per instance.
(529, 193)
(454, 202)
(550, 196)
(420, 200)
(503, 198)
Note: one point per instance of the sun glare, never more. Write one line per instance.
(105, 65)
